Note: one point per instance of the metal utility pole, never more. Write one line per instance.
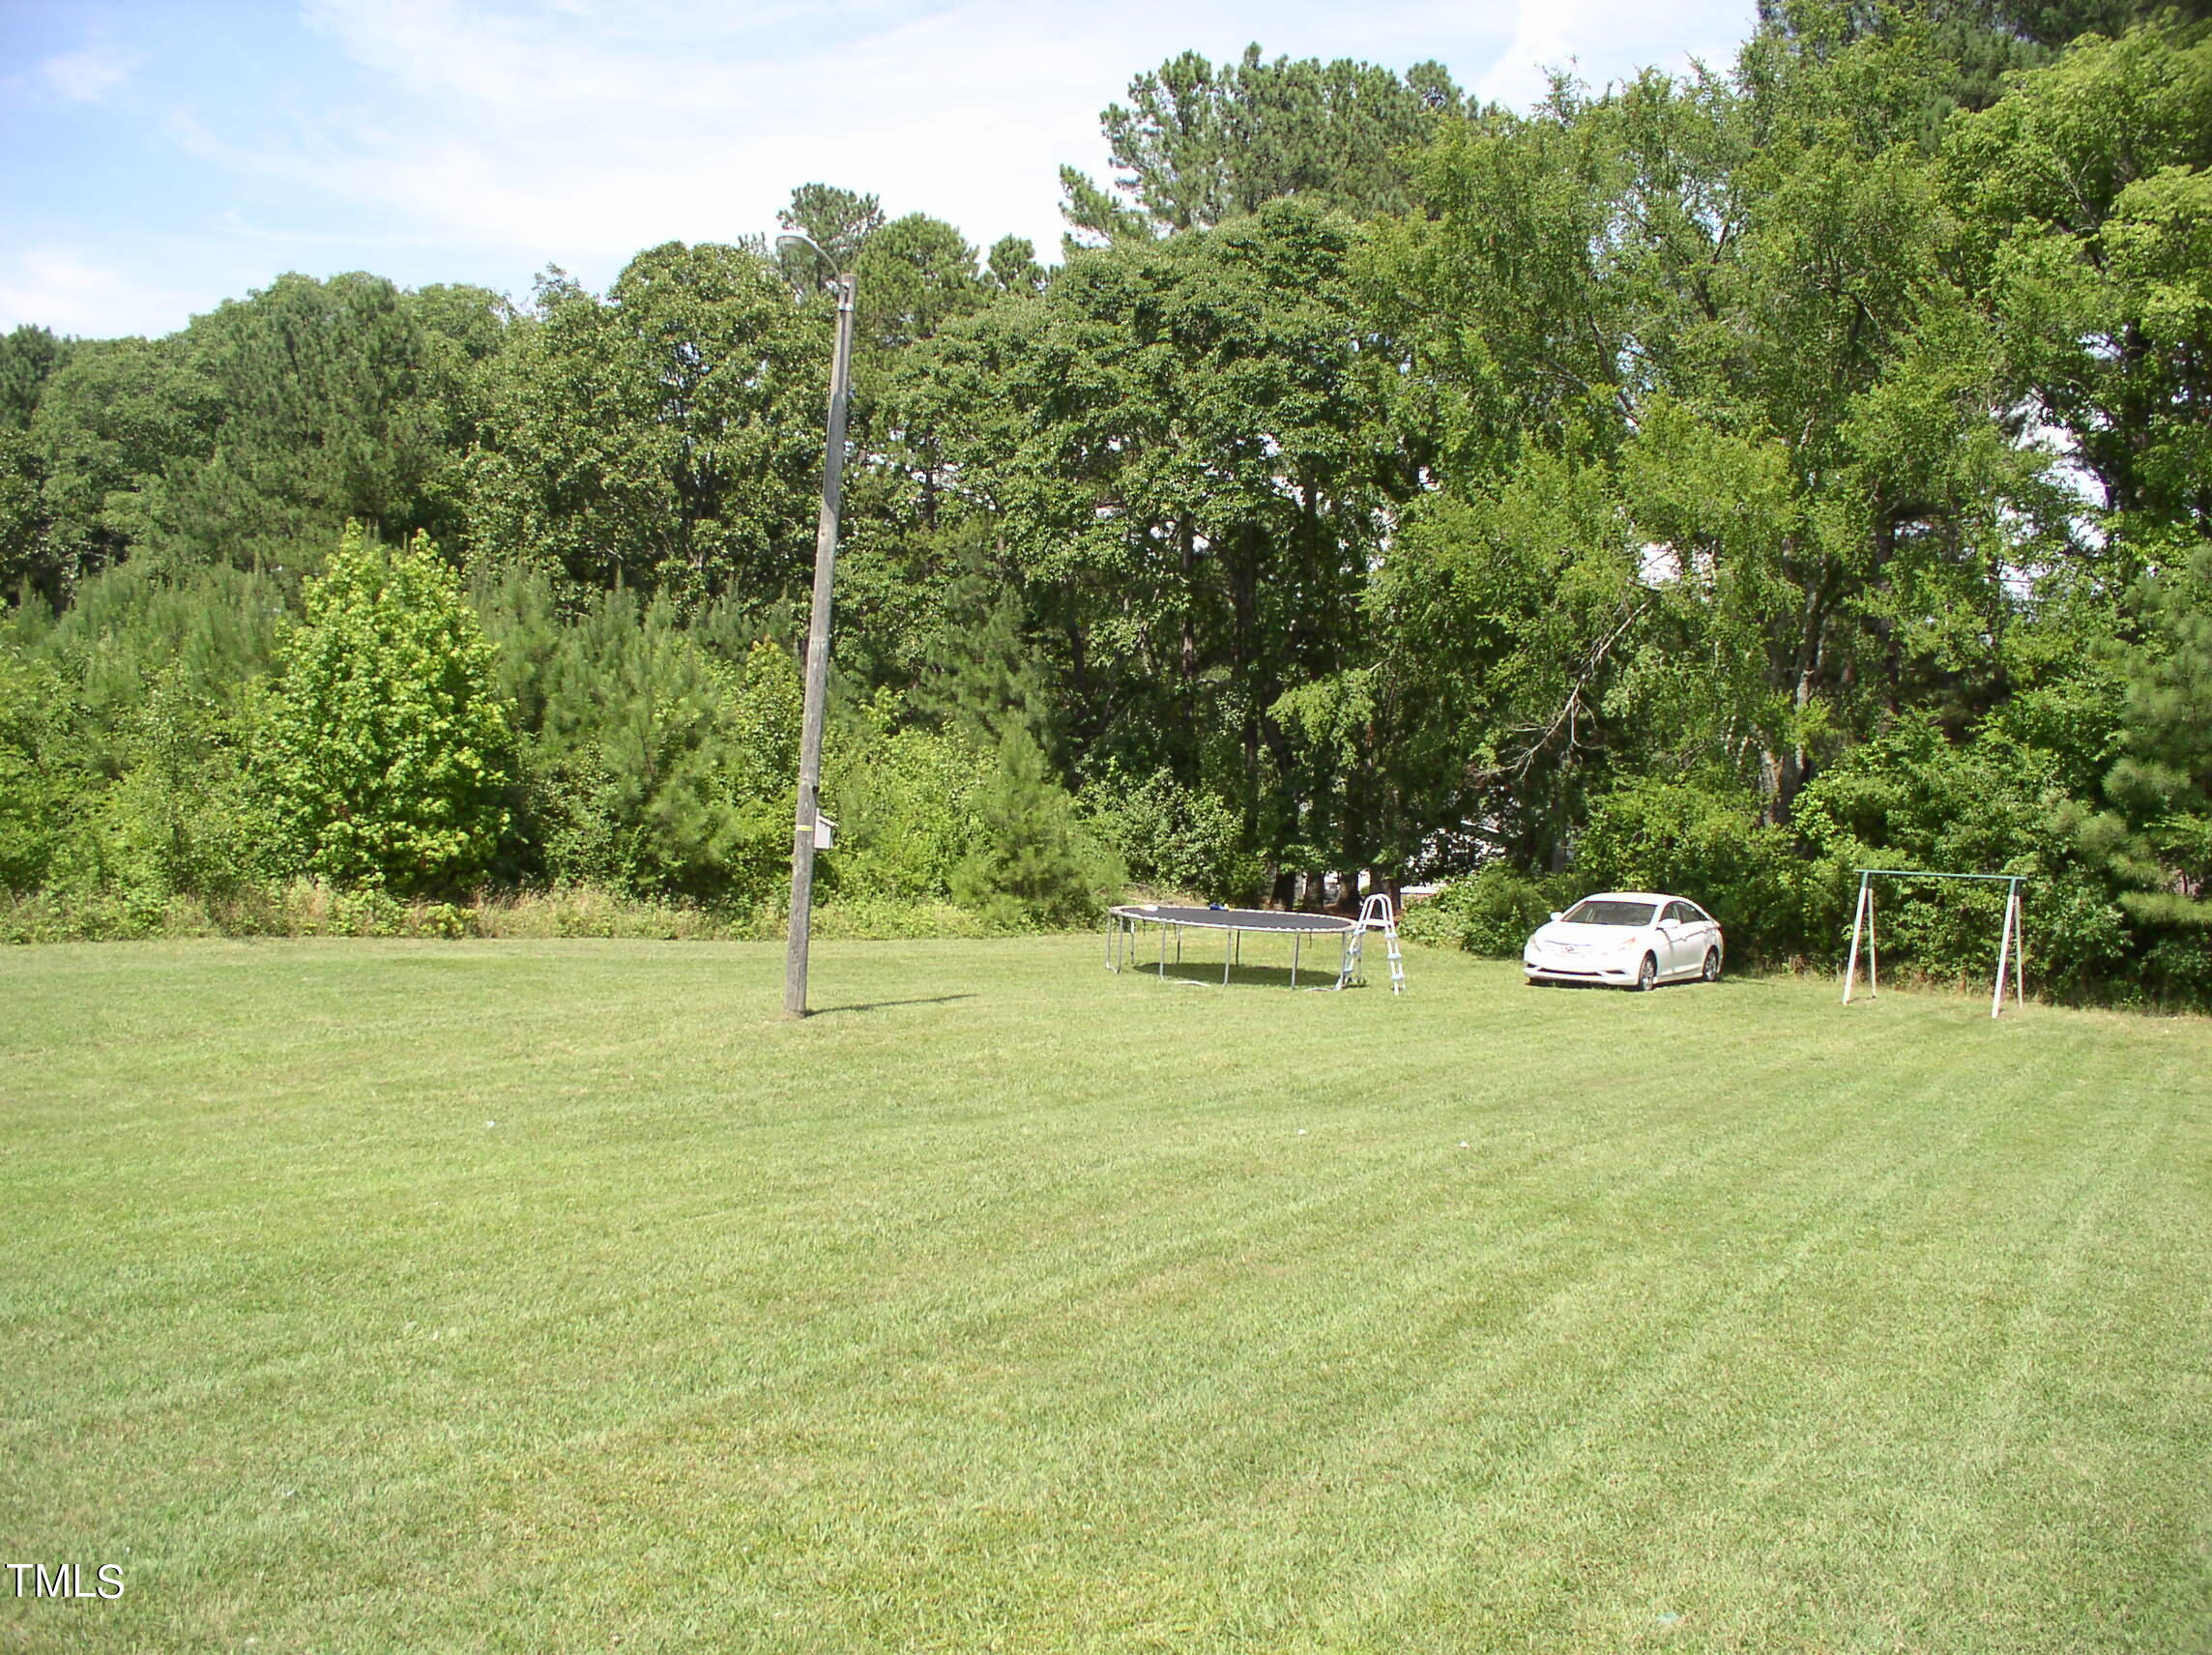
(818, 658)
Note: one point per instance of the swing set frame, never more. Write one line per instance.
(2012, 949)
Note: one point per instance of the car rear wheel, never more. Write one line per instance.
(1648, 974)
(1713, 971)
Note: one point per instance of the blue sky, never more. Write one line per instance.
(160, 156)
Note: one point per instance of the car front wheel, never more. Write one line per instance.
(1712, 971)
(1646, 975)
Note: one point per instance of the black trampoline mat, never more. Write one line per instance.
(1238, 918)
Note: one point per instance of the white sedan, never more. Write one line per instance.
(1629, 938)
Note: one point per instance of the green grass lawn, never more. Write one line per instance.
(556, 1296)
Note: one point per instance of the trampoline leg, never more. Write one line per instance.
(1297, 939)
(1226, 955)
(1163, 954)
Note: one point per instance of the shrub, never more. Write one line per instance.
(1489, 912)
(179, 815)
(1912, 799)
(1031, 861)
(387, 748)
(906, 803)
(651, 765)
(40, 774)
(1174, 837)
(1707, 845)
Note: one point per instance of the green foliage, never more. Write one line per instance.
(41, 771)
(651, 766)
(336, 400)
(1492, 912)
(1190, 489)
(914, 274)
(1912, 799)
(1032, 861)
(1013, 266)
(181, 816)
(2084, 190)
(906, 802)
(1203, 144)
(387, 751)
(111, 424)
(1174, 838)
(1979, 40)
(250, 437)
(2156, 838)
(839, 221)
(25, 565)
(1027, 857)
(1708, 844)
(28, 358)
(984, 680)
(130, 712)
(666, 436)
(216, 627)
(1728, 473)
(1503, 625)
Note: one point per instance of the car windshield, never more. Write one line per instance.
(1630, 914)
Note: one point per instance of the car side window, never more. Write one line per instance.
(1679, 913)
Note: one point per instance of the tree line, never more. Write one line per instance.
(1713, 482)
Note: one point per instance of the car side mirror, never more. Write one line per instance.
(1555, 914)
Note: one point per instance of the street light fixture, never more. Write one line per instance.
(803, 832)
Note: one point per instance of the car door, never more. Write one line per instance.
(1694, 936)
(1685, 940)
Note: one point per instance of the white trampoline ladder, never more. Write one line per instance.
(1377, 914)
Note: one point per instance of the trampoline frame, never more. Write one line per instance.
(1122, 924)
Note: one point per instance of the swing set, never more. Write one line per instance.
(2012, 951)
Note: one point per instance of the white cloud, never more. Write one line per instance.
(1544, 40)
(592, 133)
(1605, 41)
(480, 139)
(55, 287)
(574, 138)
(86, 76)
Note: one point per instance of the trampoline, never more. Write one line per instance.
(1123, 923)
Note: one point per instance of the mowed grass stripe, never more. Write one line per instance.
(1015, 1312)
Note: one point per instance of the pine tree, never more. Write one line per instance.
(1032, 863)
